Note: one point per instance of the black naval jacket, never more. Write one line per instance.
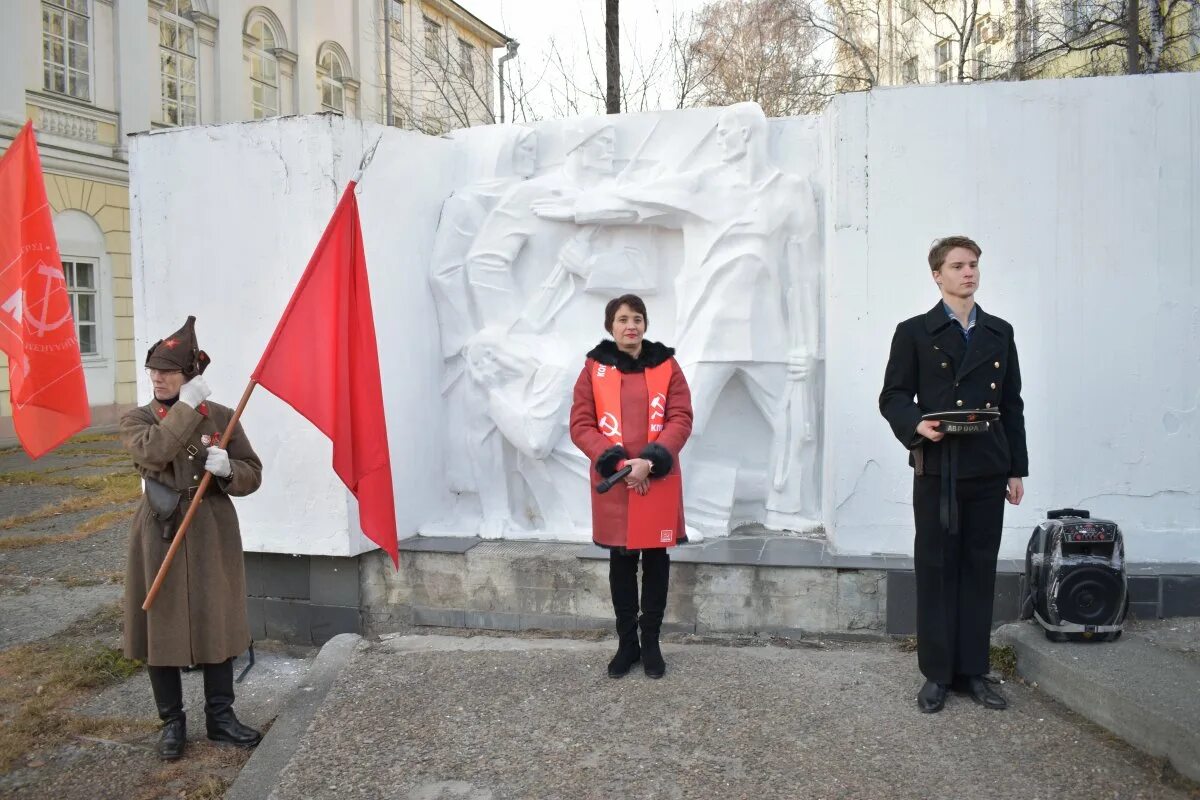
(932, 361)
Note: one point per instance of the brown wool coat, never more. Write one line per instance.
(610, 510)
(199, 616)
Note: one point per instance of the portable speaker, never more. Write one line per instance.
(1075, 584)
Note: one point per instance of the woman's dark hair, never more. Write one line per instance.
(632, 300)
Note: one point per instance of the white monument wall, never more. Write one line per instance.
(1082, 194)
(225, 218)
(1085, 197)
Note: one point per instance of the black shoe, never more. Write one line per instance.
(173, 739)
(982, 693)
(629, 652)
(932, 697)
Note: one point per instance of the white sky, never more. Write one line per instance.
(575, 25)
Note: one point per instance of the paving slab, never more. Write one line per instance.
(436, 718)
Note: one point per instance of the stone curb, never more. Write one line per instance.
(1121, 686)
(260, 775)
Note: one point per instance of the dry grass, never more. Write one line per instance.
(90, 527)
(109, 460)
(210, 788)
(102, 491)
(50, 477)
(83, 438)
(74, 582)
(204, 773)
(40, 682)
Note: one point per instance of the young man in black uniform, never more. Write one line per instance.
(957, 358)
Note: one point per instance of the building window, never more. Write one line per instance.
(81, 286)
(177, 60)
(908, 10)
(264, 71)
(466, 60)
(983, 63)
(1078, 15)
(944, 59)
(331, 73)
(433, 41)
(66, 57)
(1194, 25)
(397, 11)
(911, 75)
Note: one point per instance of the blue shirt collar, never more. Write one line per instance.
(966, 332)
(970, 317)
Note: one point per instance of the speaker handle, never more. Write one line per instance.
(1059, 513)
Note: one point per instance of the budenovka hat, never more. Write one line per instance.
(179, 351)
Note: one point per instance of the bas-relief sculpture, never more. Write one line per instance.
(517, 256)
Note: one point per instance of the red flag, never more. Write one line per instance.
(323, 362)
(37, 329)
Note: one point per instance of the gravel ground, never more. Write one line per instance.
(45, 590)
(43, 609)
(100, 558)
(422, 717)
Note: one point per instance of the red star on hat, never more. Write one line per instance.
(171, 343)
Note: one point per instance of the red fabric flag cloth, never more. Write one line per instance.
(323, 362)
(37, 328)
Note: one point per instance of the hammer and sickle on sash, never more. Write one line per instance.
(658, 407)
(609, 426)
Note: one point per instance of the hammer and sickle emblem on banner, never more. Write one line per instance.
(54, 283)
(608, 425)
(658, 407)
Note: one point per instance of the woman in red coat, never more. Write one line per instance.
(632, 408)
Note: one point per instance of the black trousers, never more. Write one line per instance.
(956, 576)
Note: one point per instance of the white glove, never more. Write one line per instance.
(194, 391)
(218, 462)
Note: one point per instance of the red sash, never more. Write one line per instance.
(653, 518)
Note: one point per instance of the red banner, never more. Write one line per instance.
(37, 328)
(323, 361)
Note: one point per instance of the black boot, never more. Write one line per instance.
(168, 696)
(622, 580)
(656, 572)
(222, 725)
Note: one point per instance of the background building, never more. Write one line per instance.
(90, 72)
(903, 42)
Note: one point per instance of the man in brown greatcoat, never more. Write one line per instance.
(199, 615)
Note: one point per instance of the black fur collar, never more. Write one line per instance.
(653, 354)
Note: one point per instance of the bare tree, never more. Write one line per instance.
(1115, 35)
(576, 85)
(442, 82)
(760, 50)
(952, 21)
(856, 30)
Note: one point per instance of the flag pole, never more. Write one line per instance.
(191, 512)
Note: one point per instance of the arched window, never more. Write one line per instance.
(261, 41)
(177, 62)
(331, 77)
